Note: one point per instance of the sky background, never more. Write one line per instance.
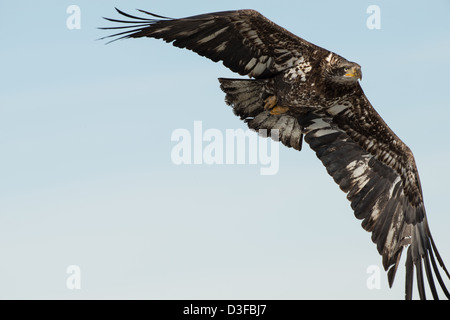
(86, 176)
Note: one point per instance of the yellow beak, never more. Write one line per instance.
(354, 72)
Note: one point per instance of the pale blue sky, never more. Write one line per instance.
(87, 178)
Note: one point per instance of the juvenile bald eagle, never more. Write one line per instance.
(301, 89)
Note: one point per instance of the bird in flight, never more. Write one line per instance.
(302, 91)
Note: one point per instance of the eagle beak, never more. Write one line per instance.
(355, 72)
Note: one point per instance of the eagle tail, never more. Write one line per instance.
(247, 98)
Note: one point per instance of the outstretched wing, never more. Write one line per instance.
(378, 173)
(246, 41)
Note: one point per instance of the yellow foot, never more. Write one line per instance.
(279, 110)
(270, 102)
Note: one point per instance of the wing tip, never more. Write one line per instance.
(422, 254)
(137, 24)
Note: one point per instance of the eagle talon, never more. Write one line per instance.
(279, 110)
(270, 102)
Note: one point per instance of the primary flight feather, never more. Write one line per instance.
(306, 92)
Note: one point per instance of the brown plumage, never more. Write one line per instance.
(321, 100)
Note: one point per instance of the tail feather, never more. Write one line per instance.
(246, 97)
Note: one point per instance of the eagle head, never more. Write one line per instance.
(341, 71)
